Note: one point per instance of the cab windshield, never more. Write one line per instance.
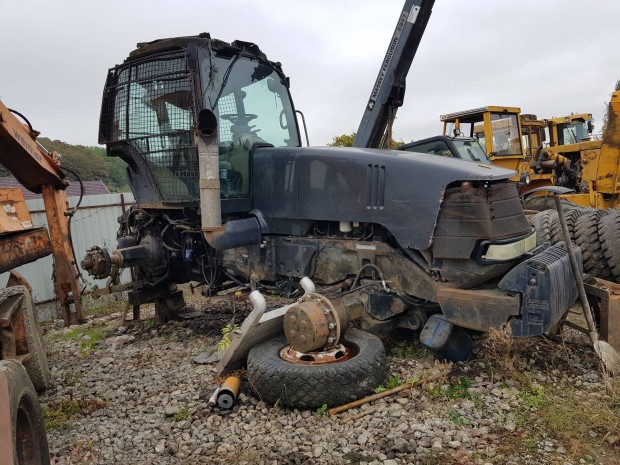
(572, 133)
(249, 99)
(471, 150)
(506, 138)
(253, 106)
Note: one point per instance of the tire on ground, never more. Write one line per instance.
(37, 366)
(587, 238)
(609, 233)
(23, 412)
(312, 386)
(542, 222)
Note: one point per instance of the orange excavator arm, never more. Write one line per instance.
(38, 170)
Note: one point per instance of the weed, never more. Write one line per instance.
(408, 350)
(86, 337)
(452, 391)
(150, 323)
(71, 378)
(95, 308)
(181, 415)
(392, 382)
(533, 397)
(456, 418)
(322, 410)
(59, 414)
(459, 390)
(226, 333)
(499, 343)
(476, 398)
(583, 421)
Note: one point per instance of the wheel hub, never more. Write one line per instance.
(339, 353)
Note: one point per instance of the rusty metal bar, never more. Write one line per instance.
(381, 395)
(23, 247)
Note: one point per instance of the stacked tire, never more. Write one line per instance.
(609, 233)
(596, 232)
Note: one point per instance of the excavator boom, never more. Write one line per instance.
(38, 170)
(388, 92)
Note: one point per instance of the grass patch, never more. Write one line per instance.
(150, 323)
(59, 414)
(181, 415)
(406, 348)
(456, 418)
(580, 420)
(87, 337)
(458, 390)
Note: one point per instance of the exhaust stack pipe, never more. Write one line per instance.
(205, 136)
(236, 233)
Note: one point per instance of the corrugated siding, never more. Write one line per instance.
(95, 223)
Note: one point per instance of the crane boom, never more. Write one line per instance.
(389, 90)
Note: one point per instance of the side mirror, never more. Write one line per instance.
(456, 132)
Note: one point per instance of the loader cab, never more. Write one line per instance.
(501, 135)
(150, 110)
(498, 129)
(567, 130)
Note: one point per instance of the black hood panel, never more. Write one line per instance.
(398, 190)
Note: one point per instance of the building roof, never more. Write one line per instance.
(73, 190)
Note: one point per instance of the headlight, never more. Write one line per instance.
(525, 179)
(512, 250)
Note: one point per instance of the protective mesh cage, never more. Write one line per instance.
(226, 105)
(149, 103)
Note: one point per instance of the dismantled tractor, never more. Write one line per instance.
(226, 196)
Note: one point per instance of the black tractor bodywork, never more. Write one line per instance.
(414, 231)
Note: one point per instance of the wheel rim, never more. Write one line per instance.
(340, 353)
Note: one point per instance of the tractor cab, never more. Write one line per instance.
(151, 106)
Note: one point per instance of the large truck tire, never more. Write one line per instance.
(310, 386)
(36, 366)
(587, 238)
(571, 217)
(609, 232)
(542, 223)
(22, 431)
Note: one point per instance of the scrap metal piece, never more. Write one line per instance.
(258, 326)
(227, 394)
(606, 296)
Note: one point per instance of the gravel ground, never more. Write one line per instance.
(132, 394)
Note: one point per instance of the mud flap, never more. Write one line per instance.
(546, 285)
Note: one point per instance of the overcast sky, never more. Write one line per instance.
(549, 57)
